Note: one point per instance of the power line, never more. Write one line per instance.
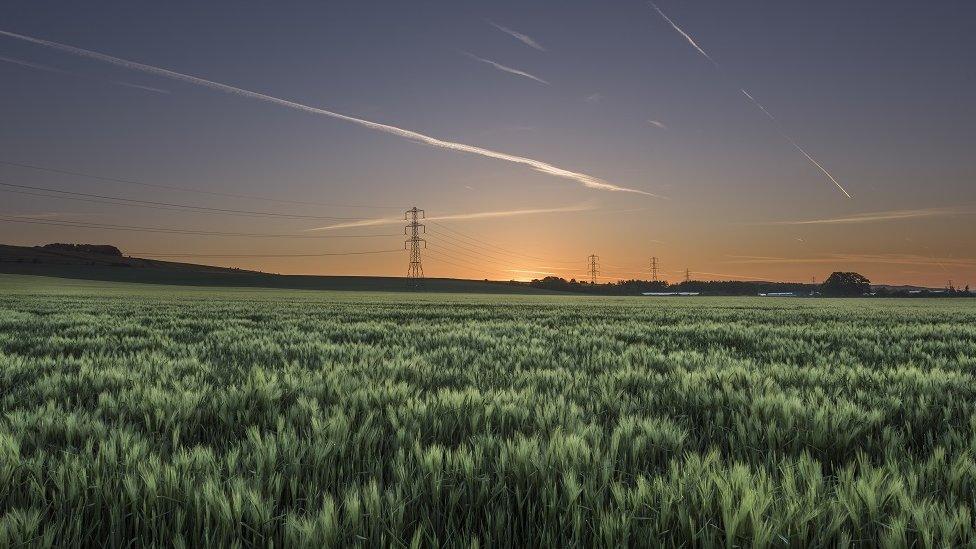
(188, 189)
(453, 248)
(169, 205)
(167, 254)
(112, 227)
(501, 248)
(468, 263)
(479, 253)
(458, 261)
(437, 258)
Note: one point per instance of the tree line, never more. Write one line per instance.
(838, 284)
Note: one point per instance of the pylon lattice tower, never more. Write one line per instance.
(653, 269)
(414, 229)
(687, 275)
(594, 268)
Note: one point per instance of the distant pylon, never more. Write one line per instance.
(654, 269)
(594, 268)
(687, 275)
(414, 229)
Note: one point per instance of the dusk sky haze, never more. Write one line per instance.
(548, 131)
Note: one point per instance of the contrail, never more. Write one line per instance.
(449, 217)
(817, 164)
(683, 33)
(46, 68)
(793, 142)
(657, 124)
(141, 87)
(28, 64)
(523, 38)
(756, 103)
(504, 68)
(538, 165)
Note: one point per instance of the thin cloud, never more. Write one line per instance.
(885, 259)
(726, 275)
(527, 271)
(594, 98)
(657, 124)
(875, 217)
(756, 103)
(41, 215)
(504, 68)
(55, 70)
(523, 38)
(454, 217)
(538, 165)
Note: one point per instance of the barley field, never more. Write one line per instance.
(188, 417)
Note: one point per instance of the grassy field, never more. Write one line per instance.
(202, 417)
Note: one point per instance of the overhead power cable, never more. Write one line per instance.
(438, 258)
(474, 254)
(189, 189)
(491, 248)
(135, 228)
(169, 254)
(12, 187)
(466, 262)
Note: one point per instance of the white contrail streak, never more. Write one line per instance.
(657, 124)
(141, 87)
(523, 38)
(817, 164)
(28, 64)
(504, 68)
(454, 217)
(793, 142)
(756, 103)
(683, 33)
(538, 165)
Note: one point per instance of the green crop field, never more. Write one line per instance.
(138, 415)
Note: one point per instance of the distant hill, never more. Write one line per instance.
(105, 262)
(100, 249)
(88, 262)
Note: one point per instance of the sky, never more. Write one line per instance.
(748, 140)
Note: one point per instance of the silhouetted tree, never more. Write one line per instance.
(845, 284)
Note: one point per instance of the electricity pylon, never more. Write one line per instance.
(687, 275)
(653, 269)
(415, 272)
(594, 268)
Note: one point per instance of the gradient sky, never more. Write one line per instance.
(879, 92)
